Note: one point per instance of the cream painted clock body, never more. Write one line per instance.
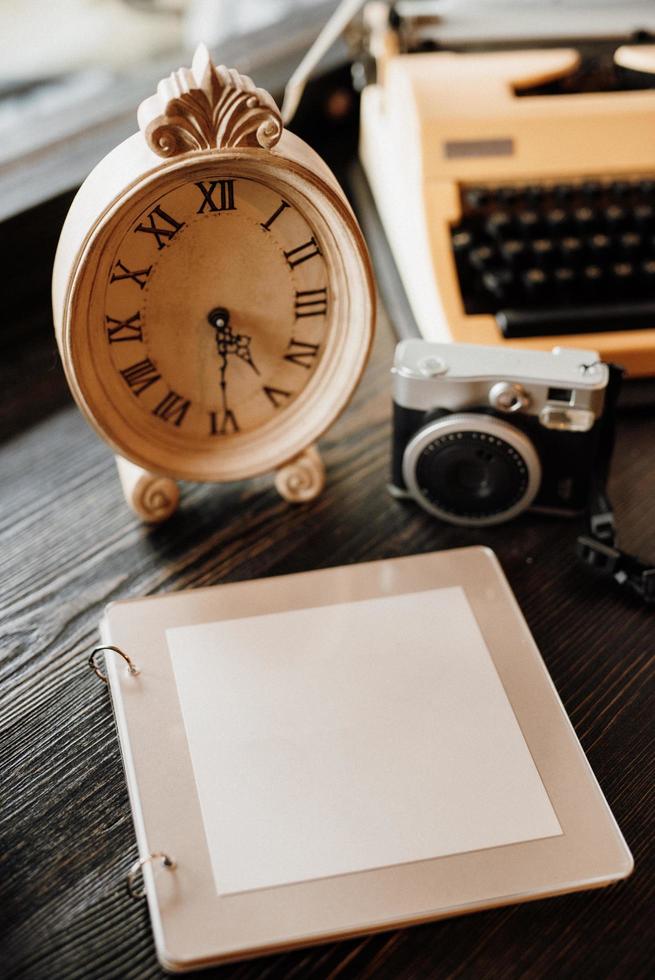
(212, 294)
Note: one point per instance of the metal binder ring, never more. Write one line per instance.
(138, 866)
(131, 666)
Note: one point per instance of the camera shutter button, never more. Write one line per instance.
(431, 367)
(508, 397)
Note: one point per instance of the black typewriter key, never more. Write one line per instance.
(499, 224)
(623, 271)
(571, 248)
(476, 197)
(630, 242)
(584, 218)
(563, 192)
(508, 195)
(643, 214)
(592, 281)
(564, 274)
(591, 188)
(528, 221)
(480, 257)
(564, 277)
(498, 282)
(534, 193)
(534, 281)
(557, 219)
(543, 249)
(462, 241)
(513, 251)
(614, 215)
(620, 188)
(646, 188)
(592, 273)
(647, 270)
(600, 244)
(623, 277)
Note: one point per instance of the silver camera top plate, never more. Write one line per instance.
(547, 383)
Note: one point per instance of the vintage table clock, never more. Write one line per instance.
(213, 298)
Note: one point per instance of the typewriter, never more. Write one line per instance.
(516, 183)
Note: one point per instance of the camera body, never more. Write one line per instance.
(482, 433)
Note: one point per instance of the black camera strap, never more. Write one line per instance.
(598, 548)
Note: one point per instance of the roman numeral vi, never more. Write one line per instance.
(228, 423)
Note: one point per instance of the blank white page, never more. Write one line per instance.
(342, 738)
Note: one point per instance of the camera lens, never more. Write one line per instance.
(472, 474)
(472, 469)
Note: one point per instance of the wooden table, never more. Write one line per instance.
(68, 546)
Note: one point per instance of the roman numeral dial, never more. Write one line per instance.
(127, 330)
(139, 276)
(224, 200)
(302, 253)
(140, 375)
(276, 396)
(223, 423)
(161, 226)
(311, 302)
(172, 408)
(219, 302)
(302, 353)
(266, 225)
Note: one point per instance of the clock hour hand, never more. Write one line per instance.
(228, 342)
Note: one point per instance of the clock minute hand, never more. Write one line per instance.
(219, 319)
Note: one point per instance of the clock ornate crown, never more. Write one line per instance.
(212, 294)
(206, 108)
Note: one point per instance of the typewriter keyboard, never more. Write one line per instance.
(561, 258)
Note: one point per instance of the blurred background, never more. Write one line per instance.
(73, 72)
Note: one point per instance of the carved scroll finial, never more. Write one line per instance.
(303, 478)
(206, 107)
(153, 498)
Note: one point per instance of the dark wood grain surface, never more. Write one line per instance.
(69, 546)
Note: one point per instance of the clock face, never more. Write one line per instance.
(217, 307)
(219, 315)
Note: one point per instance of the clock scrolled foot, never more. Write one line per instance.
(302, 478)
(152, 497)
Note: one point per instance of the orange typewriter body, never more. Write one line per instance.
(516, 216)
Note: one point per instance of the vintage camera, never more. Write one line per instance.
(482, 433)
